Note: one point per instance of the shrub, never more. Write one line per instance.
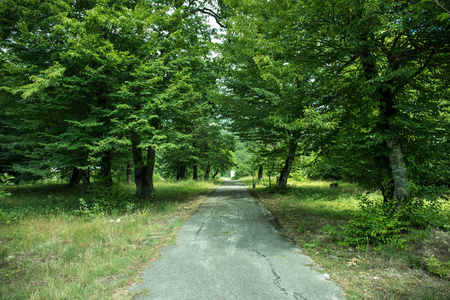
(375, 223)
(5, 180)
(442, 269)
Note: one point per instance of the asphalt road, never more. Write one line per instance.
(229, 250)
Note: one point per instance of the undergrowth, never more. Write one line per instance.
(58, 243)
(372, 251)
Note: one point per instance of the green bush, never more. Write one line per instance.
(375, 223)
(423, 213)
(378, 223)
(8, 216)
(5, 180)
(442, 269)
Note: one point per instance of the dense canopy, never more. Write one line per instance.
(349, 90)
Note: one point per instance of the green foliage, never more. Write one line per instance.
(375, 223)
(442, 269)
(110, 77)
(9, 216)
(5, 180)
(424, 213)
(343, 76)
(89, 211)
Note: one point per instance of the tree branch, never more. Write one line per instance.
(442, 6)
(209, 12)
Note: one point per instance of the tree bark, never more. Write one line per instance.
(195, 171)
(260, 173)
(215, 174)
(143, 170)
(80, 175)
(208, 166)
(105, 170)
(76, 177)
(399, 171)
(128, 173)
(183, 169)
(207, 171)
(284, 174)
(386, 186)
(399, 174)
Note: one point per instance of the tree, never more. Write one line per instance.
(267, 93)
(107, 80)
(376, 54)
(363, 63)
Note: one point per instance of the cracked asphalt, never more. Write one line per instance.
(229, 250)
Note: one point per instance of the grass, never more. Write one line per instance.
(307, 209)
(58, 247)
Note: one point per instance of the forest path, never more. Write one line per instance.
(229, 250)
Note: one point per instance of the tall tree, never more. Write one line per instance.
(106, 74)
(365, 61)
(267, 93)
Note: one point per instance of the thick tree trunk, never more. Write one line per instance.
(143, 170)
(260, 173)
(386, 186)
(80, 175)
(181, 170)
(86, 178)
(397, 187)
(284, 174)
(148, 190)
(76, 177)
(399, 171)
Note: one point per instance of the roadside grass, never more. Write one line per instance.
(61, 247)
(306, 211)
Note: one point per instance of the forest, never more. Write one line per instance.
(106, 93)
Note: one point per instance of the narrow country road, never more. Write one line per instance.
(229, 250)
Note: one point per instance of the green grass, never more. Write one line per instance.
(316, 197)
(55, 250)
(307, 209)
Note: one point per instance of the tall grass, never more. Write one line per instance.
(60, 248)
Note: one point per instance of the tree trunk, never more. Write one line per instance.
(208, 170)
(399, 171)
(128, 173)
(181, 170)
(143, 170)
(387, 188)
(397, 186)
(148, 190)
(105, 170)
(76, 177)
(260, 173)
(282, 182)
(195, 171)
(86, 178)
(215, 174)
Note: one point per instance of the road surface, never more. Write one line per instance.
(229, 250)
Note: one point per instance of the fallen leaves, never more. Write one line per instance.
(353, 262)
